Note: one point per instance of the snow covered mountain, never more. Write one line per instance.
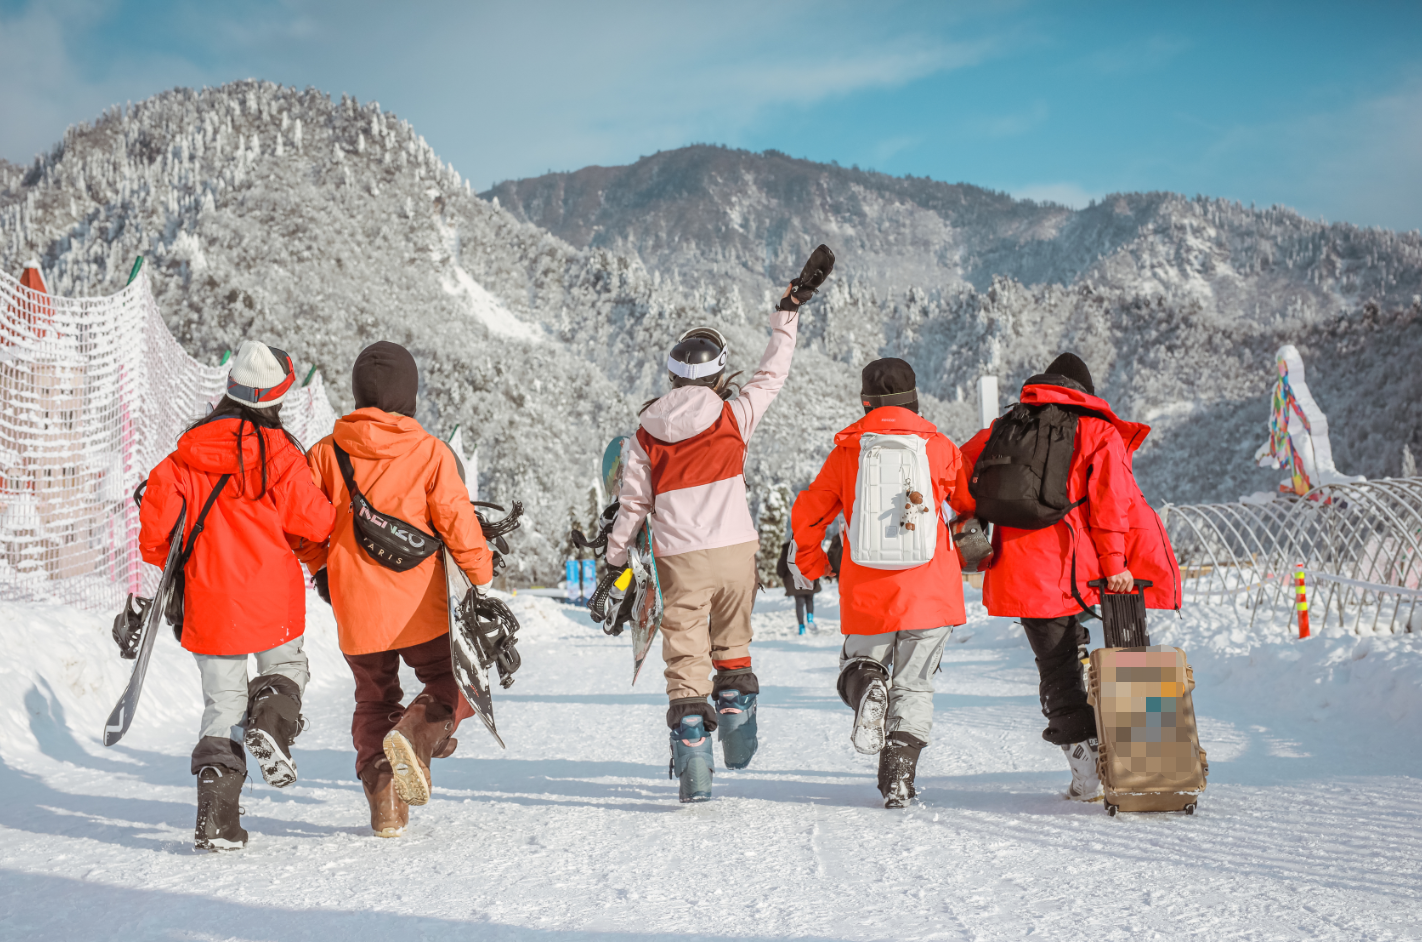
(1177, 303)
(541, 318)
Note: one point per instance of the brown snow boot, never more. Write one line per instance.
(422, 734)
(389, 813)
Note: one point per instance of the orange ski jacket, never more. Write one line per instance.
(245, 591)
(873, 601)
(406, 473)
(1044, 573)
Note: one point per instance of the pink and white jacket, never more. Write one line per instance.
(686, 464)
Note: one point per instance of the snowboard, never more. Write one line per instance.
(647, 604)
(472, 677)
(118, 722)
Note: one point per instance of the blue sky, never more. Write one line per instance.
(1317, 107)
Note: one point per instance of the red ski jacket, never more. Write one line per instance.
(873, 601)
(245, 591)
(1044, 573)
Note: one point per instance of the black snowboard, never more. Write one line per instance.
(122, 715)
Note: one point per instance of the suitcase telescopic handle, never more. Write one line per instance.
(1141, 585)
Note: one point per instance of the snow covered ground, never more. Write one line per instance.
(1311, 827)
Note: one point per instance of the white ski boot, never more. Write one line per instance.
(1085, 781)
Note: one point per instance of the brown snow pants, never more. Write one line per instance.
(378, 694)
(706, 624)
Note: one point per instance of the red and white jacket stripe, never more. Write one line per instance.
(686, 464)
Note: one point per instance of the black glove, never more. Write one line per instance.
(816, 270)
(322, 580)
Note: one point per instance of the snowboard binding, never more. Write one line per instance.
(612, 621)
(491, 630)
(128, 625)
(604, 530)
(495, 530)
(816, 270)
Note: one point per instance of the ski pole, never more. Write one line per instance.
(1302, 601)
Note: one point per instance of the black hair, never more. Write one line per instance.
(723, 387)
(245, 415)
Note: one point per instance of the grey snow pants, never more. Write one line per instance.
(224, 694)
(911, 658)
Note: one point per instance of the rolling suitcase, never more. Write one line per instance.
(1150, 757)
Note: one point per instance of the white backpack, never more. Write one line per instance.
(892, 529)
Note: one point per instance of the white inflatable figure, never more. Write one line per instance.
(1298, 431)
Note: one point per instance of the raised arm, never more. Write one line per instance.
(757, 395)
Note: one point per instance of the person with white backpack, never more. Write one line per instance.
(900, 585)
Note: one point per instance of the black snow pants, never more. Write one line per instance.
(1055, 642)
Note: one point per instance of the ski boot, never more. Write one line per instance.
(809, 619)
(802, 627)
(863, 686)
(1085, 779)
(691, 758)
(735, 698)
(273, 723)
(219, 817)
(898, 764)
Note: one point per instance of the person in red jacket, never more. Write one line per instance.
(895, 621)
(245, 593)
(1042, 576)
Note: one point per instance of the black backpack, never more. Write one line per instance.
(1020, 479)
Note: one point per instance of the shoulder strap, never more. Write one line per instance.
(347, 469)
(201, 520)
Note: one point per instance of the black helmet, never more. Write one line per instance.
(698, 359)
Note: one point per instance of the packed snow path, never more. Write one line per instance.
(1309, 829)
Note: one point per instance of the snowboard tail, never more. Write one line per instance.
(116, 726)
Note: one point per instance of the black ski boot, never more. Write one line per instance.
(863, 686)
(273, 723)
(898, 764)
(219, 818)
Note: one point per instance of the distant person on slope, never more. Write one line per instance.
(1079, 516)
(244, 592)
(900, 588)
(804, 598)
(384, 616)
(686, 467)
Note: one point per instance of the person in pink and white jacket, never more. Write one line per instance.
(685, 468)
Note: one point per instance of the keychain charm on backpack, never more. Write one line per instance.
(912, 508)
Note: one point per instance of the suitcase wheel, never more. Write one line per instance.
(1112, 809)
(1190, 808)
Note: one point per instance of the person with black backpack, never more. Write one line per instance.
(249, 501)
(1053, 475)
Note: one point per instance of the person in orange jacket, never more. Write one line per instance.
(244, 591)
(895, 620)
(1042, 576)
(383, 616)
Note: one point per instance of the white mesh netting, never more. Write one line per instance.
(93, 394)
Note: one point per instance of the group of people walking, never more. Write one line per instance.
(271, 507)
(900, 572)
(268, 507)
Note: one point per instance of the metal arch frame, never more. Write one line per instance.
(1360, 540)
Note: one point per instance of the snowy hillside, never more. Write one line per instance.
(1308, 829)
(1179, 304)
(323, 225)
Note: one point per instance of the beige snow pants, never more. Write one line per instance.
(706, 623)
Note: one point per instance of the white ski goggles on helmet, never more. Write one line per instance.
(700, 370)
